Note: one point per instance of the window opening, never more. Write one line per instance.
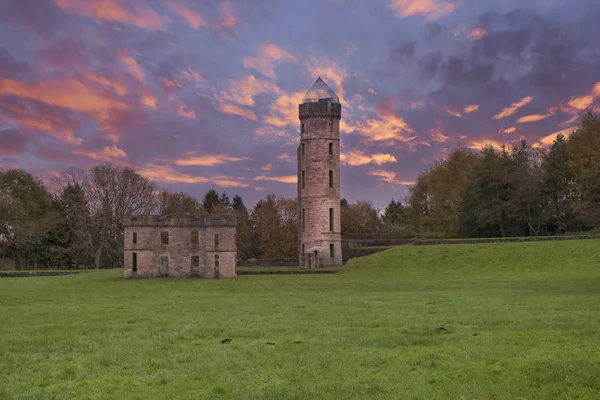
(195, 263)
(135, 261)
(330, 148)
(303, 220)
(194, 237)
(134, 237)
(331, 178)
(331, 220)
(164, 238)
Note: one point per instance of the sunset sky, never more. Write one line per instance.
(200, 94)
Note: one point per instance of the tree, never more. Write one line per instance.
(112, 193)
(583, 147)
(178, 204)
(244, 233)
(27, 218)
(436, 200)
(360, 217)
(557, 192)
(73, 244)
(275, 221)
(211, 199)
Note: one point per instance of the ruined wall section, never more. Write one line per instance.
(187, 238)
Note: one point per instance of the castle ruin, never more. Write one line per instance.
(203, 246)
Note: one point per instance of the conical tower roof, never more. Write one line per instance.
(320, 91)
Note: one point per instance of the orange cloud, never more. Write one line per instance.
(437, 135)
(190, 74)
(229, 19)
(533, 118)
(508, 111)
(292, 179)
(478, 144)
(269, 133)
(165, 173)
(132, 66)
(54, 125)
(372, 91)
(224, 181)
(386, 127)
(477, 34)
(389, 177)
(358, 157)
(185, 111)
(548, 140)
(194, 20)
(583, 102)
(243, 91)
(453, 112)
(107, 154)
(114, 11)
(267, 167)
(207, 160)
(113, 84)
(471, 108)
(508, 130)
(284, 110)
(233, 109)
(284, 157)
(268, 55)
(149, 101)
(69, 94)
(431, 9)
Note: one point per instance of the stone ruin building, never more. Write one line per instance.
(203, 246)
(319, 236)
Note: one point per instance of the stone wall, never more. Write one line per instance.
(319, 133)
(275, 262)
(216, 237)
(6, 264)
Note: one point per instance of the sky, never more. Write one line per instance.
(204, 94)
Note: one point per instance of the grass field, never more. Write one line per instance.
(493, 321)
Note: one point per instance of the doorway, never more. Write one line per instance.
(164, 266)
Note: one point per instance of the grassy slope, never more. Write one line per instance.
(367, 332)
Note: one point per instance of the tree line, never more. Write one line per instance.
(496, 192)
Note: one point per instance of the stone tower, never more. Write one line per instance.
(320, 239)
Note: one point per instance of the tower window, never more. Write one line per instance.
(303, 220)
(330, 148)
(330, 127)
(331, 220)
(331, 251)
(302, 248)
(303, 180)
(302, 148)
(164, 238)
(194, 237)
(302, 128)
(216, 239)
(216, 260)
(134, 262)
(134, 239)
(331, 178)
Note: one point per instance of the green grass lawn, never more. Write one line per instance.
(493, 321)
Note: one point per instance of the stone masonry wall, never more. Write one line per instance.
(319, 129)
(175, 258)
